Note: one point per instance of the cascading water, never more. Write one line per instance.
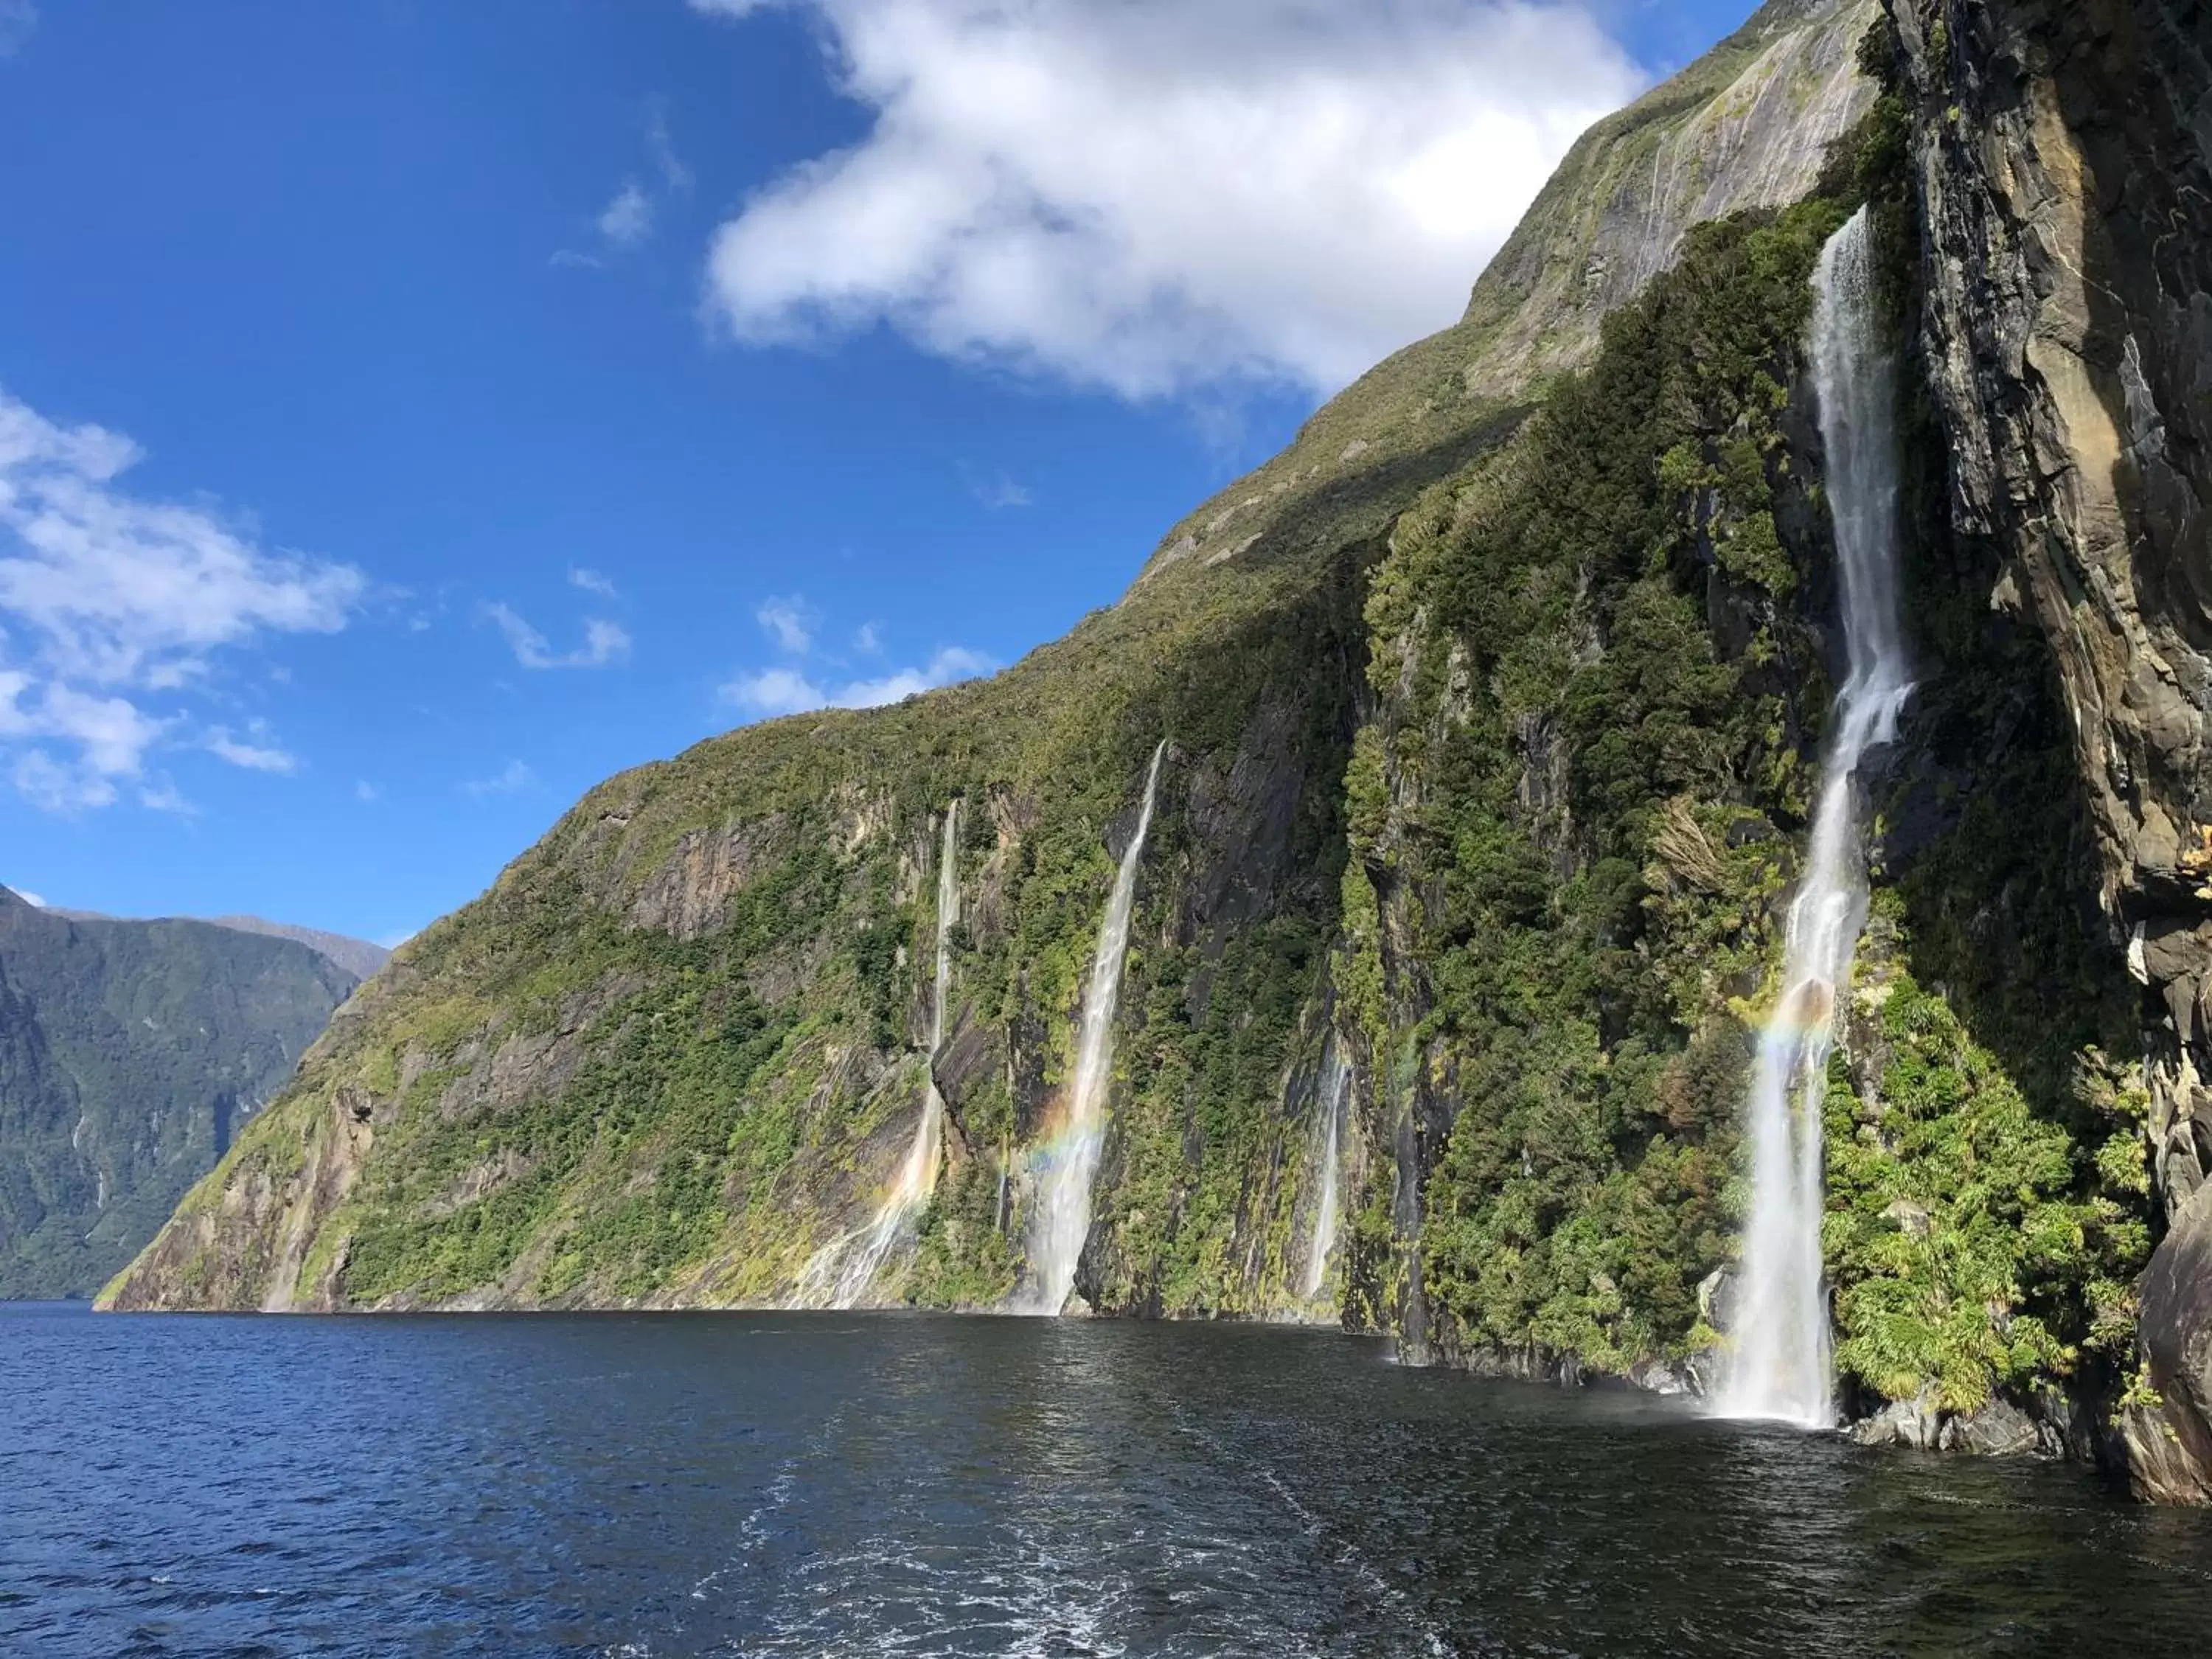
(1780, 1365)
(841, 1272)
(1069, 1162)
(1334, 1090)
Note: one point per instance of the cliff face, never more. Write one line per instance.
(131, 1054)
(677, 1048)
(2064, 164)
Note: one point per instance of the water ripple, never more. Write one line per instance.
(663, 1487)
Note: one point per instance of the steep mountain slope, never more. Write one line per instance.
(676, 1050)
(130, 1055)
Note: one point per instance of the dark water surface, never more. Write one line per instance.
(886, 1483)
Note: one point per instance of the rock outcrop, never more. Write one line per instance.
(2065, 170)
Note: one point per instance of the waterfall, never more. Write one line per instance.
(1069, 1162)
(1780, 1365)
(841, 1271)
(1335, 1091)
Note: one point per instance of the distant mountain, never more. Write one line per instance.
(356, 955)
(129, 1053)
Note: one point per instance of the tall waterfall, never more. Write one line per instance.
(1780, 1368)
(841, 1272)
(1070, 1161)
(1335, 1091)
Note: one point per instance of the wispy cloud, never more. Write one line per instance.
(604, 642)
(997, 492)
(675, 176)
(867, 640)
(18, 18)
(627, 220)
(256, 756)
(1156, 196)
(29, 898)
(162, 796)
(512, 778)
(770, 691)
(790, 621)
(367, 793)
(632, 213)
(590, 581)
(111, 602)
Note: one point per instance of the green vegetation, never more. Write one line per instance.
(676, 1048)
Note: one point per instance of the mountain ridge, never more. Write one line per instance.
(358, 956)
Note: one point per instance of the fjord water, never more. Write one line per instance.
(1780, 1366)
(664, 1487)
(1062, 1217)
(842, 1271)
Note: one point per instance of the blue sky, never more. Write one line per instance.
(411, 414)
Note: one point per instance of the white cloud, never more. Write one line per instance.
(789, 622)
(604, 642)
(771, 691)
(165, 797)
(628, 220)
(948, 667)
(775, 692)
(367, 793)
(512, 778)
(590, 581)
(46, 782)
(31, 899)
(867, 640)
(1152, 196)
(109, 601)
(253, 757)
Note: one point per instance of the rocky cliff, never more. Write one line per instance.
(131, 1054)
(2064, 156)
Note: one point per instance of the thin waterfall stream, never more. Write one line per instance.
(840, 1275)
(1070, 1160)
(1780, 1366)
(1332, 1093)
